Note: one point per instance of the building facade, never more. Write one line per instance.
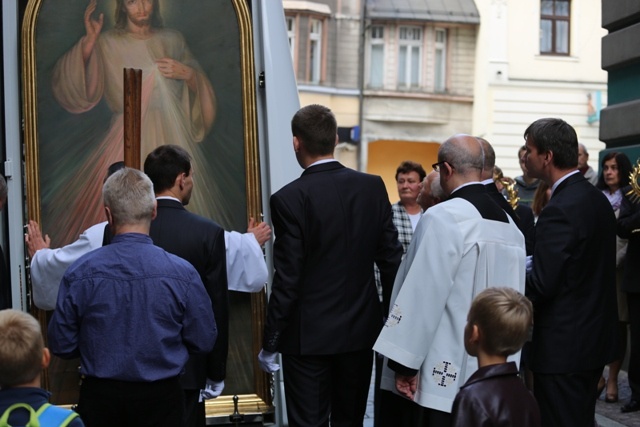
(620, 128)
(407, 74)
(538, 58)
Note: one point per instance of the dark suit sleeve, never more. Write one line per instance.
(217, 290)
(554, 239)
(527, 226)
(199, 330)
(389, 251)
(629, 218)
(288, 261)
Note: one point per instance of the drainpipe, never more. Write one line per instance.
(363, 11)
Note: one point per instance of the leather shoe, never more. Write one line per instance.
(632, 406)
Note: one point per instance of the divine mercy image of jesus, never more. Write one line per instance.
(185, 94)
(197, 91)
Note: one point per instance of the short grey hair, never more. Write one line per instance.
(436, 189)
(459, 156)
(584, 148)
(128, 194)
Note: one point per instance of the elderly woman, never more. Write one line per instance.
(389, 408)
(407, 211)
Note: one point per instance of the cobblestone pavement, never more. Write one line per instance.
(611, 411)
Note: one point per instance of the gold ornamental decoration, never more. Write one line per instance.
(634, 193)
(512, 192)
(509, 185)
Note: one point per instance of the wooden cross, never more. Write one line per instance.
(132, 117)
(132, 122)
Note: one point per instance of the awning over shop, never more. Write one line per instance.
(458, 11)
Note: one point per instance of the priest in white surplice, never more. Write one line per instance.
(460, 247)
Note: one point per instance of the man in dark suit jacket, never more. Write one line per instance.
(628, 224)
(331, 225)
(572, 280)
(201, 242)
(522, 215)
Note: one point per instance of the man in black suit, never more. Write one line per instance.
(628, 225)
(571, 282)
(331, 225)
(201, 242)
(522, 215)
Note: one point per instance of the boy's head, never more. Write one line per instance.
(498, 323)
(22, 351)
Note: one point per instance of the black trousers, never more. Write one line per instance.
(319, 389)
(396, 411)
(633, 300)
(194, 413)
(108, 403)
(567, 400)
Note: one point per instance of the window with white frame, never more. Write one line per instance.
(291, 34)
(315, 50)
(409, 56)
(376, 57)
(555, 17)
(440, 61)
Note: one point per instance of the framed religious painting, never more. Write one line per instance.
(197, 91)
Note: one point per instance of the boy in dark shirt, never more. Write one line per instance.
(498, 325)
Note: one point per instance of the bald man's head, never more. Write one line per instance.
(461, 160)
(463, 152)
(489, 159)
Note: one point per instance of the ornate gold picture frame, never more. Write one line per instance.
(72, 133)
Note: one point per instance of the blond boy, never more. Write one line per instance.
(498, 325)
(23, 356)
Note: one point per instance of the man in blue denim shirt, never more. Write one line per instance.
(132, 313)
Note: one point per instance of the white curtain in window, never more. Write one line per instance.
(439, 71)
(415, 67)
(546, 38)
(440, 64)
(562, 37)
(562, 8)
(376, 66)
(291, 35)
(409, 53)
(314, 61)
(402, 66)
(315, 51)
(546, 7)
